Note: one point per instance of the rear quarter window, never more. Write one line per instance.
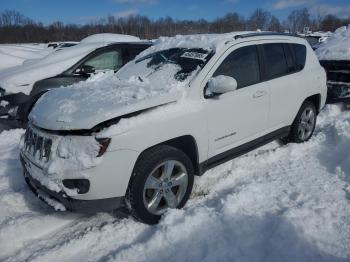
(134, 51)
(300, 55)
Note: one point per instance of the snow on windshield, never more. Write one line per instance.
(336, 47)
(177, 63)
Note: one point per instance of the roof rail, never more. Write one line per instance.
(263, 34)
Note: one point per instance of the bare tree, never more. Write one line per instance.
(16, 28)
(275, 25)
(298, 20)
(260, 19)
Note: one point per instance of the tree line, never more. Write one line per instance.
(17, 28)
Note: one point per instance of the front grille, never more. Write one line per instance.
(37, 146)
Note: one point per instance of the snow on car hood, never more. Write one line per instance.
(87, 104)
(337, 46)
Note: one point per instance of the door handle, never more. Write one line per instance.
(259, 94)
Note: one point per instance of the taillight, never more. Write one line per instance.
(104, 143)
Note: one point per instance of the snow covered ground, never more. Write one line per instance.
(277, 203)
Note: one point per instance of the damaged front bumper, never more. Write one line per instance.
(69, 203)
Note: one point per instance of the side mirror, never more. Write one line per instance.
(221, 84)
(85, 70)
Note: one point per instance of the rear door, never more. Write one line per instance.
(280, 73)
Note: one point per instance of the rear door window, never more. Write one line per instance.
(289, 58)
(275, 61)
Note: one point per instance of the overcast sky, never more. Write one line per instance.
(83, 11)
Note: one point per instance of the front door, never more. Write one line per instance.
(237, 117)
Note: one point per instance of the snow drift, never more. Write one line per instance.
(277, 203)
(337, 46)
(14, 55)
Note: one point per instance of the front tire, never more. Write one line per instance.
(162, 178)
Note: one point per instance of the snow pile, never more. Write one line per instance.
(14, 55)
(337, 46)
(277, 203)
(210, 42)
(73, 155)
(133, 88)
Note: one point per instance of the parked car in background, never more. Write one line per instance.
(315, 39)
(338, 80)
(61, 45)
(334, 56)
(185, 105)
(88, 59)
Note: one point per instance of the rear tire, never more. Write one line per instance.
(162, 178)
(303, 126)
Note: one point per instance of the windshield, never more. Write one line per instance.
(167, 66)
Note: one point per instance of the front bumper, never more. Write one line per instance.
(77, 205)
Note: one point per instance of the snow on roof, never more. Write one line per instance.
(109, 38)
(204, 41)
(337, 46)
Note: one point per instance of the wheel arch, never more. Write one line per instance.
(186, 144)
(316, 100)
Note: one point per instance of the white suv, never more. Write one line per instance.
(187, 104)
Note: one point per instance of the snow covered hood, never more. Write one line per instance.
(87, 104)
(21, 78)
(337, 46)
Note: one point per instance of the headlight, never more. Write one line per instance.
(13, 111)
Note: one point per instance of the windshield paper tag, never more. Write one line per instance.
(194, 55)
